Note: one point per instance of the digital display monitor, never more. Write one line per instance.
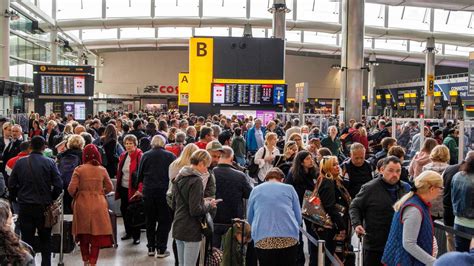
(77, 109)
(63, 84)
(248, 94)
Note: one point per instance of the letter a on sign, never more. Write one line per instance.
(184, 79)
(201, 49)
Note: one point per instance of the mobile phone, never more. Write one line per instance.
(219, 200)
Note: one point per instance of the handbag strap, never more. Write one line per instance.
(182, 197)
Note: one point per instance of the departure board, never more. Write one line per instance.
(63, 85)
(248, 94)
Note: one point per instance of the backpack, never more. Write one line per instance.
(103, 155)
(66, 167)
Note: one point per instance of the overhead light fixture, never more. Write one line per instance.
(11, 14)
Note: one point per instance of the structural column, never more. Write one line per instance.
(5, 41)
(429, 77)
(352, 59)
(371, 84)
(279, 11)
(54, 46)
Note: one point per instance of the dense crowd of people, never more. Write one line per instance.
(235, 191)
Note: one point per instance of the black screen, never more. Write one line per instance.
(248, 58)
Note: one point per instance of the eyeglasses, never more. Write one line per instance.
(297, 139)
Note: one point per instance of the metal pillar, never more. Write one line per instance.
(334, 107)
(371, 84)
(5, 41)
(352, 59)
(54, 46)
(279, 11)
(429, 77)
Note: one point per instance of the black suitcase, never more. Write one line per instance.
(68, 239)
(113, 221)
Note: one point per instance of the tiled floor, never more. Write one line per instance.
(125, 254)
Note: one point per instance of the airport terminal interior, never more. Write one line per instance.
(237, 132)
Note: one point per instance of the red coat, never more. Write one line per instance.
(134, 161)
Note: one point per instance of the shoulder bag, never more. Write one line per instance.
(313, 209)
(253, 167)
(53, 210)
(206, 222)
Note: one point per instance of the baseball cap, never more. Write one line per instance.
(214, 146)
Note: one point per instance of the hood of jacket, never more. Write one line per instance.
(188, 171)
(422, 158)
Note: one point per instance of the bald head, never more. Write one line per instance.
(227, 155)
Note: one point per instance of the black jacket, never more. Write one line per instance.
(39, 185)
(232, 187)
(373, 208)
(307, 183)
(50, 139)
(153, 172)
(11, 150)
(355, 177)
(138, 133)
(448, 175)
(330, 195)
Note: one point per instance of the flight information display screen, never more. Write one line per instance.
(63, 85)
(248, 94)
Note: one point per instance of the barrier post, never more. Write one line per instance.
(321, 256)
(461, 142)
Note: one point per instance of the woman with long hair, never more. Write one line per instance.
(265, 155)
(285, 161)
(183, 160)
(91, 224)
(332, 141)
(36, 129)
(421, 158)
(296, 137)
(301, 176)
(112, 149)
(335, 199)
(411, 237)
(13, 251)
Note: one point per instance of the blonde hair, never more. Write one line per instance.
(185, 158)
(75, 142)
(68, 129)
(440, 153)
(200, 156)
(363, 132)
(325, 166)
(270, 135)
(288, 146)
(6, 125)
(423, 183)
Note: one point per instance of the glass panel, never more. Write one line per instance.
(28, 50)
(99, 34)
(409, 17)
(170, 32)
(293, 36)
(69, 9)
(74, 33)
(131, 33)
(13, 45)
(258, 33)
(238, 32)
(453, 21)
(457, 50)
(417, 46)
(259, 9)
(374, 14)
(318, 10)
(21, 48)
(46, 6)
(13, 69)
(224, 8)
(128, 8)
(368, 43)
(211, 31)
(181, 8)
(320, 37)
(400, 45)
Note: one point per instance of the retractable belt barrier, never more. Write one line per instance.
(311, 239)
(440, 225)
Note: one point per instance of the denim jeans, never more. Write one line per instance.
(462, 244)
(188, 252)
(241, 160)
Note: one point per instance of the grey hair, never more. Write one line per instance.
(470, 154)
(180, 137)
(356, 147)
(157, 142)
(227, 152)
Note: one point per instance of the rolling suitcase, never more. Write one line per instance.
(113, 221)
(114, 205)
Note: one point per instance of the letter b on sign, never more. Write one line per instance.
(201, 49)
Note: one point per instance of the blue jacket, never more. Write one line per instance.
(462, 195)
(252, 141)
(394, 253)
(274, 211)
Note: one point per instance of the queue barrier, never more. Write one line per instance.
(440, 235)
(322, 250)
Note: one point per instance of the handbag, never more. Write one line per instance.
(313, 209)
(206, 222)
(136, 213)
(253, 168)
(53, 210)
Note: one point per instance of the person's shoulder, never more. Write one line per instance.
(406, 187)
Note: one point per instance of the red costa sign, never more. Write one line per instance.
(160, 89)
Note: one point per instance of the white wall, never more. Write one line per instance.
(124, 72)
